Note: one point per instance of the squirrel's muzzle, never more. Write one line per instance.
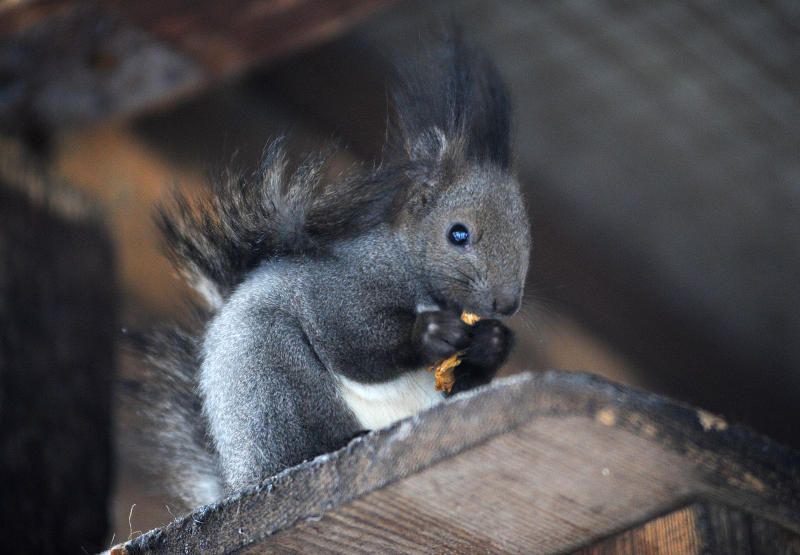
(507, 301)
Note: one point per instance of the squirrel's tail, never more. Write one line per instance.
(282, 208)
(214, 241)
(175, 429)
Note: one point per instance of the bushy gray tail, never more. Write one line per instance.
(175, 431)
(214, 241)
(280, 209)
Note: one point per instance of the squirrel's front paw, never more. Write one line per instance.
(490, 344)
(440, 334)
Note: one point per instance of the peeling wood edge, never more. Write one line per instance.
(738, 466)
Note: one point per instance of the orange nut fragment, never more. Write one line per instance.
(444, 371)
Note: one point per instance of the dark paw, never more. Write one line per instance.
(490, 344)
(440, 334)
(469, 376)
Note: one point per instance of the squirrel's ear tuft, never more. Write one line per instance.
(453, 99)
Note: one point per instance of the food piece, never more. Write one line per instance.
(469, 318)
(444, 372)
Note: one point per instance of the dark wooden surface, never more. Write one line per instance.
(698, 529)
(57, 323)
(64, 63)
(228, 37)
(547, 462)
(676, 533)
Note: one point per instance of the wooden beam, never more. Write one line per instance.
(64, 63)
(700, 529)
(57, 330)
(79, 64)
(229, 37)
(552, 461)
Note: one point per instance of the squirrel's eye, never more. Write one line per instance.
(458, 235)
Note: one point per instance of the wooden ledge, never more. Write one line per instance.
(549, 461)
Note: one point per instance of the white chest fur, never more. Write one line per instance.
(378, 405)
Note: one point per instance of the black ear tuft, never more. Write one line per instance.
(453, 97)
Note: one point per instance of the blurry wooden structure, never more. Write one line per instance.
(66, 62)
(536, 463)
(57, 328)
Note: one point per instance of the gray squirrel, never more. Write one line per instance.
(329, 299)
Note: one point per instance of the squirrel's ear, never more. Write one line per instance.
(421, 192)
(453, 100)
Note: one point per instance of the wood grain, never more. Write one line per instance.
(700, 528)
(673, 534)
(535, 463)
(532, 486)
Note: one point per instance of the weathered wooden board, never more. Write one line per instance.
(675, 533)
(535, 463)
(700, 529)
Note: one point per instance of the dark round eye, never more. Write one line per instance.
(458, 235)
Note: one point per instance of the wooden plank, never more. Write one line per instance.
(497, 497)
(64, 63)
(226, 38)
(57, 328)
(766, 538)
(80, 64)
(697, 529)
(675, 534)
(549, 460)
(724, 530)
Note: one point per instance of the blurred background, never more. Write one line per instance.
(658, 144)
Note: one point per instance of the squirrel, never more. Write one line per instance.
(328, 300)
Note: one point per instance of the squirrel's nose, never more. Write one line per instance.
(506, 301)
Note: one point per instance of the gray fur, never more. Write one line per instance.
(177, 432)
(317, 283)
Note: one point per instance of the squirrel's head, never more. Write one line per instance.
(468, 232)
(463, 214)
